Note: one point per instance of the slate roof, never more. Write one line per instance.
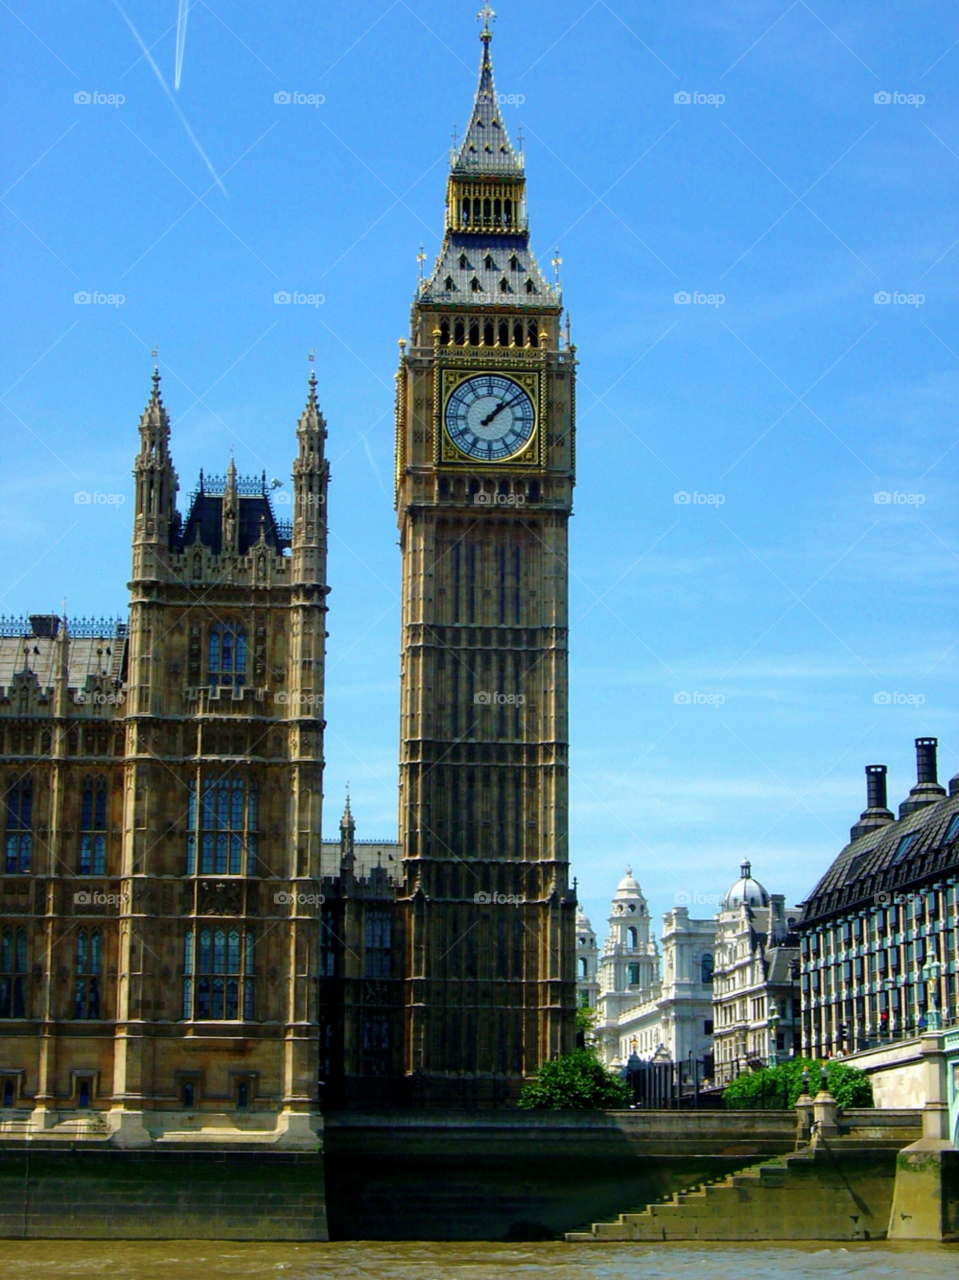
(489, 261)
(878, 862)
(204, 524)
(367, 856)
(486, 148)
(43, 658)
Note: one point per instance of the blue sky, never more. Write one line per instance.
(798, 398)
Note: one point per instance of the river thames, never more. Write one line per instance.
(198, 1260)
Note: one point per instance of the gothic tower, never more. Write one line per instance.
(485, 458)
(219, 867)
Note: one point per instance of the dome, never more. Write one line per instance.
(746, 891)
(628, 887)
(582, 921)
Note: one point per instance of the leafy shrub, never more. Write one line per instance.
(778, 1088)
(575, 1081)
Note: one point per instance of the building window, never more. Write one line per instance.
(89, 965)
(9, 1092)
(706, 969)
(13, 968)
(376, 1044)
(634, 975)
(19, 827)
(327, 950)
(223, 825)
(633, 939)
(226, 655)
(218, 975)
(93, 826)
(376, 960)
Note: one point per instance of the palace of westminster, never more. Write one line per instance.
(178, 942)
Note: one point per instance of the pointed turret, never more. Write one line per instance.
(486, 259)
(230, 510)
(310, 479)
(347, 834)
(156, 489)
(486, 148)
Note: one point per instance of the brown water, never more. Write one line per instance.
(195, 1260)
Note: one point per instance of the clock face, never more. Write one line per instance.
(490, 417)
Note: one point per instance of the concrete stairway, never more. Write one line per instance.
(843, 1192)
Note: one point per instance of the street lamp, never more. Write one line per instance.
(930, 974)
(773, 1023)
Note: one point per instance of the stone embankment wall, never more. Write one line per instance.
(521, 1175)
(104, 1194)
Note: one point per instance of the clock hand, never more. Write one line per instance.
(505, 404)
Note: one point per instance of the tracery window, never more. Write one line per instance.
(19, 827)
(223, 825)
(13, 969)
(93, 825)
(218, 974)
(88, 968)
(226, 654)
(377, 952)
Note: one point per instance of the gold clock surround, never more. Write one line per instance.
(450, 375)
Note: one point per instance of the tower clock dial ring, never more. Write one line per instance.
(490, 417)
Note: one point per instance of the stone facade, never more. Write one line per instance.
(162, 794)
(756, 980)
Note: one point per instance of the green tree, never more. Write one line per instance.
(778, 1088)
(575, 1081)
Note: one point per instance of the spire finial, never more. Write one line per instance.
(485, 14)
(312, 359)
(557, 263)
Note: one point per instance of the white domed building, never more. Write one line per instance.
(756, 994)
(644, 1011)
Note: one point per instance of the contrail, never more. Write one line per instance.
(166, 90)
(181, 18)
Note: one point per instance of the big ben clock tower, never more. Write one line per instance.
(485, 421)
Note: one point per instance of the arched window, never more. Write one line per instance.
(533, 334)
(19, 827)
(475, 285)
(449, 286)
(489, 336)
(376, 960)
(706, 968)
(497, 211)
(459, 333)
(507, 212)
(89, 963)
(466, 211)
(225, 825)
(503, 334)
(93, 825)
(218, 975)
(583, 967)
(226, 655)
(445, 333)
(13, 968)
(518, 335)
(633, 938)
(488, 262)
